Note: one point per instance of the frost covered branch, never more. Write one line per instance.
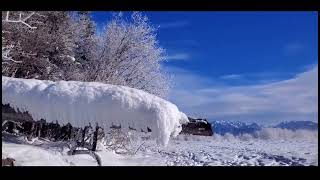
(19, 20)
(131, 56)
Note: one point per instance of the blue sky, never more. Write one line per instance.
(247, 66)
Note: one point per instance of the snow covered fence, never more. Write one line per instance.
(79, 103)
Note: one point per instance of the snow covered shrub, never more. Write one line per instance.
(229, 137)
(271, 134)
(125, 142)
(217, 137)
(130, 55)
(116, 140)
(245, 137)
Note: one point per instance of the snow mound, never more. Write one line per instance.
(79, 103)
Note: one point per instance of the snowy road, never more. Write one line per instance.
(182, 151)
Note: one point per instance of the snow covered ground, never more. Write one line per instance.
(185, 150)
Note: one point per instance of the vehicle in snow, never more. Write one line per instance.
(197, 127)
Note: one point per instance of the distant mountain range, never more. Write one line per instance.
(234, 127)
(237, 128)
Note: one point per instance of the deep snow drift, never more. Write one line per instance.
(82, 102)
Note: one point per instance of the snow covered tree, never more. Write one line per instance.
(130, 55)
(85, 41)
(57, 45)
(60, 35)
(43, 49)
(15, 27)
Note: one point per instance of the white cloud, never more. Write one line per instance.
(231, 76)
(177, 56)
(175, 24)
(292, 99)
(292, 48)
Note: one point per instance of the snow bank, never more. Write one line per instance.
(286, 134)
(271, 134)
(82, 102)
